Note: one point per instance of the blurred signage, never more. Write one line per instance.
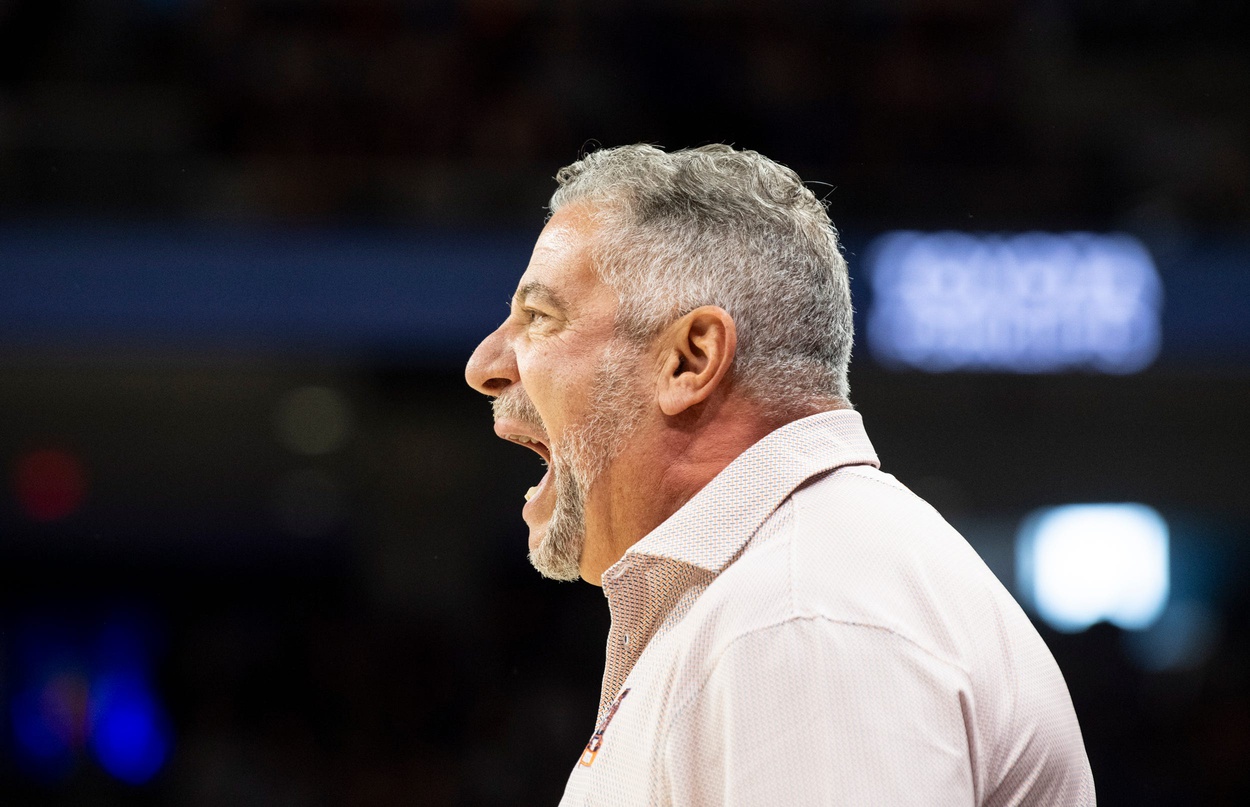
(938, 301)
(1026, 303)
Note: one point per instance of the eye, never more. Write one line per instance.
(534, 315)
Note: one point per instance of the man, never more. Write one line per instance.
(790, 625)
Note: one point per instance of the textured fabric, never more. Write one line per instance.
(806, 631)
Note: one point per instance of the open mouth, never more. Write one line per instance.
(540, 447)
(533, 443)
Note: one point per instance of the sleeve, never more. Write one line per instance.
(817, 712)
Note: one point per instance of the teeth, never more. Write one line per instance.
(529, 494)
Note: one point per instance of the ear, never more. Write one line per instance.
(696, 352)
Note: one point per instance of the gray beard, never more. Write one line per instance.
(559, 551)
(616, 407)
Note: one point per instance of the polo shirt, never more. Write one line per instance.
(807, 631)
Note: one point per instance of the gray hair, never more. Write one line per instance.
(717, 226)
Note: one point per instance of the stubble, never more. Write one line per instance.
(614, 410)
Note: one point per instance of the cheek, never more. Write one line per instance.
(559, 391)
(542, 380)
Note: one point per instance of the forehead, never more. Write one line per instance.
(561, 265)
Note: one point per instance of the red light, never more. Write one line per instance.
(50, 484)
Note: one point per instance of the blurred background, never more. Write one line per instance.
(258, 543)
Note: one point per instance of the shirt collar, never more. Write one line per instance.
(711, 528)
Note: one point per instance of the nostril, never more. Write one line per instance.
(494, 386)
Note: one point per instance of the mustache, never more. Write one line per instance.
(515, 404)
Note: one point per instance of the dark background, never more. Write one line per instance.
(246, 248)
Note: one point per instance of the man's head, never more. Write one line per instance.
(715, 226)
(670, 298)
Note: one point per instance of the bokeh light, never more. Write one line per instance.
(50, 722)
(130, 736)
(314, 420)
(87, 686)
(50, 484)
(1085, 563)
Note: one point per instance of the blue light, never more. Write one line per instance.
(82, 690)
(129, 735)
(1027, 303)
(41, 749)
(1081, 564)
(48, 711)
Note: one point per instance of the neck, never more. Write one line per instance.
(663, 466)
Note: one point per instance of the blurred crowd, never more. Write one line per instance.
(459, 111)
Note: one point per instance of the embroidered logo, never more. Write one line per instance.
(596, 739)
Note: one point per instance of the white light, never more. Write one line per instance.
(1084, 563)
(1028, 303)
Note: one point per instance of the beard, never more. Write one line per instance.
(615, 407)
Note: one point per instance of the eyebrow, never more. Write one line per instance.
(543, 293)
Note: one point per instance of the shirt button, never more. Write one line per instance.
(625, 639)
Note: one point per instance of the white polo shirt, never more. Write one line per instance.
(806, 631)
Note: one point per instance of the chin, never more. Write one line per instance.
(539, 525)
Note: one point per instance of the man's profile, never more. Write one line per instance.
(790, 625)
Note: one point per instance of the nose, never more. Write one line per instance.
(492, 367)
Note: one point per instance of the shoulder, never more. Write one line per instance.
(867, 550)
(856, 547)
(861, 594)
